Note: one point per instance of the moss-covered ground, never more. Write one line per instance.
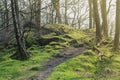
(14, 69)
(88, 66)
(11, 69)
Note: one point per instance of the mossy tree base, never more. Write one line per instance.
(21, 56)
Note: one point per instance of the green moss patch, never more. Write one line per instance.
(78, 68)
(88, 66)
(15, 70)
(63, 34)
(58, 36)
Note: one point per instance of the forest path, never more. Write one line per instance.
(57, 60)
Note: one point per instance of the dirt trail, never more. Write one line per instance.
(58, 59)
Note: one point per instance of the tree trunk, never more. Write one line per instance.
(21, 53)
(117, 31)
(66, 7)
(6, 22)
(90, 14)
(56, 5)
(39, 13)
(104, 19)
(52, 15)
(31, 10)
(97, 21)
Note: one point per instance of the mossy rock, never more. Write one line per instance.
(64, 44)
(61, 33)
(89, 52)
(67, 36)
(74, 43)
(30, 38)
(44, 41)
(59, 28)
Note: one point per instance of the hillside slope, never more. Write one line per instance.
(53, 39)
(89, 66)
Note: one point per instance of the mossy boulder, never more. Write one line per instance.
(89, 52)
(61, 33)
(57, 28)
(30, 38)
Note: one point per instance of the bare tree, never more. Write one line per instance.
(21, 53)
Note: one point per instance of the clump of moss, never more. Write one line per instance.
(80, 67)
(89, 52)
(61, 33)
(59, 28)
(64, 36)
(88, 66)
(30, 38)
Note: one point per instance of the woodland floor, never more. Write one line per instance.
(57, 60)
(66, 55)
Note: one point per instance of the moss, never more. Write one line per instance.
(60, 28)
(109, 66)
(20, 70)
(30, 38)
(61, 33)
(76, 34)
(80, 67)
(88, 67)
(89, 52)
(66, 36)
(74, 43)
(49, 35)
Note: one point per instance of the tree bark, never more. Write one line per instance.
(6, 22)
(66, 7)
(90, 14)
(39, 13)
(56, 4)
(97, 21)
(21, 53)
(104, 19)
(117, 30)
